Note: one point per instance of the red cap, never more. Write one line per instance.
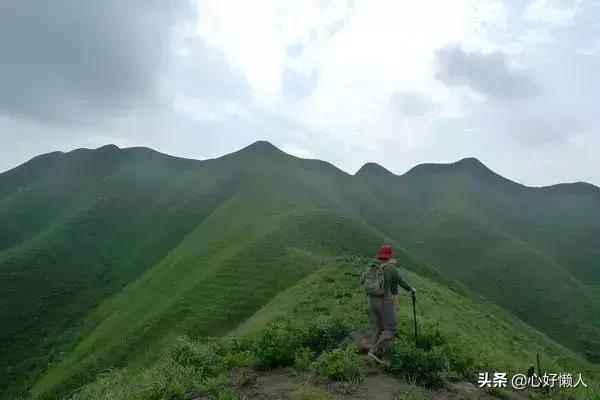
(384, 252)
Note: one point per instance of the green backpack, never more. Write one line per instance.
(374, 283)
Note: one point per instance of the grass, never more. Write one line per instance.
(280, 334)
(129, 249)
(306, 391)
(147, 315)
(529, 250)
(479, 335)
(340, 364)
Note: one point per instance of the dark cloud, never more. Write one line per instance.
(488, 74)
(204, 72)
(412, 103)
(72, 60)
(297, 85)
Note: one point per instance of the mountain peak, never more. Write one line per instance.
(470, 166)
(373, 169)
(262, 146)
(574, 188)
(470, 162)
(108, 147)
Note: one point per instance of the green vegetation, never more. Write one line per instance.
(418, 365)
(307, 391)
(107, 256)
(342, 364)
(270, 341)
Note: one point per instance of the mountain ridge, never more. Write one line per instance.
(91, 229)
(264, 147)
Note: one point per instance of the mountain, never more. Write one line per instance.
(106, 255)
(531, 250)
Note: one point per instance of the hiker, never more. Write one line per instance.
(380, 281)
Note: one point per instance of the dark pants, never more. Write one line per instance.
(383, 321)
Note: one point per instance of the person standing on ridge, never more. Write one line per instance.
(380, 281)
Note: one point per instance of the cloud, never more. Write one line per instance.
(338, 25)
(294, 50)
(550, 12)
(297, 84)
(294, 150)
(488, 74)
(339, 80)
(205, 71)
(412, 103)
(536, 36)
(70, 60)
(527, 122)
(592, 50)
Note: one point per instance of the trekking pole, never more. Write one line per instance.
(415, 318)
(545, 387)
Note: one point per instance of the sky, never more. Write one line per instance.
(512, 83)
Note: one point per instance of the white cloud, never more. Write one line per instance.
(351, 81)
(551, 11)
(388, 46)
(194, 108)
(256, 35)
(294, 150)
(537, 36)
(592, 50)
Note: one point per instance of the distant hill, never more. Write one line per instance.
(107, 254)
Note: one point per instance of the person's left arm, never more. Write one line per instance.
(401, 282)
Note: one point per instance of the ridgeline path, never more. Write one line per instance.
(283, 384)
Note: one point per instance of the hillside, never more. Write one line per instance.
(530, 250)
(322, 305)
(106, 255)
(492, 336)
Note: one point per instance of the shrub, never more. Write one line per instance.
(216, 388)
(203, 356)
(306, 391)
(430, 339)
(165, 379)
(302, 359)
(108, 385)
(460, 364)
(340, 364)
(416, 364)
(324, 335)
(238, 344)
(276, 345)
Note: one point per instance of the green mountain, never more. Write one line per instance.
(107, 255)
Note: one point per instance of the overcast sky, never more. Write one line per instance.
(513, 83)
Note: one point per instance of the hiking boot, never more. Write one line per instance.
(378, 360)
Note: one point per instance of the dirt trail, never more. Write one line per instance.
(279, 385)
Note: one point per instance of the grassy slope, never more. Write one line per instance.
(88, 237)
(495, 339)
(248, 250)
(523, 248)
(197, 290)
(187, 261)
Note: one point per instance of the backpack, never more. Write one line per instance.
(374, 281)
